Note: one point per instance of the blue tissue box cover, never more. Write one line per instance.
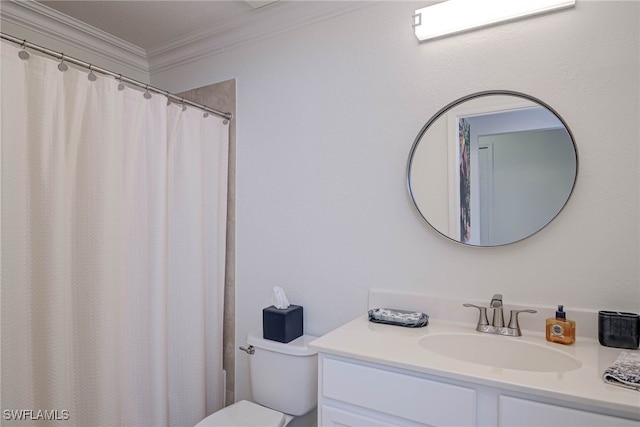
(282, 325)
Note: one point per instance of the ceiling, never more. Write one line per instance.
(148, 24)
(153, 36)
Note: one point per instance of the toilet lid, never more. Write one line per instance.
(245, 414)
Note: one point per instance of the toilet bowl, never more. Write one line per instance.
(284, 384)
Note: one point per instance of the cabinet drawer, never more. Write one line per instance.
(410, 397)
(335, 417)
(516, 412)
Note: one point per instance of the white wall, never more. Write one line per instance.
(327, 115)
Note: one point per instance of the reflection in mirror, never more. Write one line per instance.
(492, 168)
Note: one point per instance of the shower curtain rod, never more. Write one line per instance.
(24, 44)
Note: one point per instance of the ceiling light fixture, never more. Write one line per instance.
(454, 16)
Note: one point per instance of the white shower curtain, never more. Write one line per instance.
(113, 216)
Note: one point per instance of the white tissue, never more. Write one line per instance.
(279, 299)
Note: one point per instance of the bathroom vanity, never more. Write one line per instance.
(447, 374)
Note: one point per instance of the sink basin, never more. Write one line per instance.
(499, 352)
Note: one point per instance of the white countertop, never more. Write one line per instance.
(399, 347)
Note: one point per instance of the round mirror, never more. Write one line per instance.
(492, 168)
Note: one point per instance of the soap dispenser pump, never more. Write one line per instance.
(561, 330)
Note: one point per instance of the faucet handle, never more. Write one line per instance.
(483, 321)
(513, 321)
(496, 301)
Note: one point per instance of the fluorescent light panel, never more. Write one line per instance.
(454, 16)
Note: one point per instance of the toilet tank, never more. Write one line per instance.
(283, 376)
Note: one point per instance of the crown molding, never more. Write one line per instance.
(259, 24)
(49, 22)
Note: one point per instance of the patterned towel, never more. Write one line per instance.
(625, 371)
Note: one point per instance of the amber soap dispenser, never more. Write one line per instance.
(561, 330)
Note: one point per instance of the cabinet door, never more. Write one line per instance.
(334, 417)
(516, 412)
(413, 398)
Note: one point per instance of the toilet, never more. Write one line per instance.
(284, 383)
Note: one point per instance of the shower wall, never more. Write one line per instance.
(222, 96)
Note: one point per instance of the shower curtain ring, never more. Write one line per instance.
(92, 77)
(184, 107)
(23, 54)
(147, 95)
(62, 66)
(120, 84)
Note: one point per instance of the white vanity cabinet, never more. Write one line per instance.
(355, 393)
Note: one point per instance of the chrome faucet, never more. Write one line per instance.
(498, 316)
(497, 322)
